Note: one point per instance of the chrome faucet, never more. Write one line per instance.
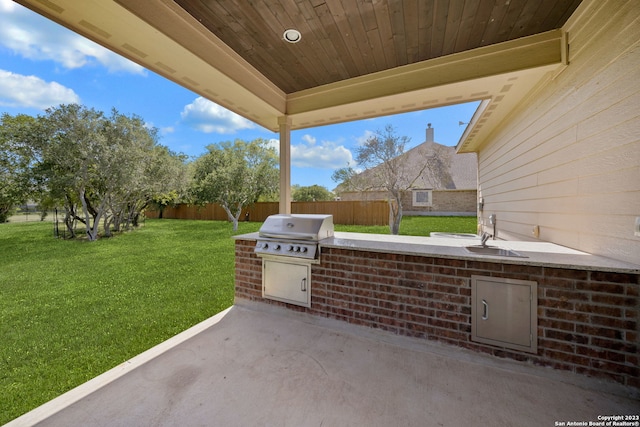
(483, 239)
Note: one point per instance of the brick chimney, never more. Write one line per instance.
(429, 133)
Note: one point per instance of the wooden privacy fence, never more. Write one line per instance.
(344, 212)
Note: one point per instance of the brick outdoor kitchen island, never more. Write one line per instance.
(585, 308)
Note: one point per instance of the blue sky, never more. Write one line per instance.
(44, 65)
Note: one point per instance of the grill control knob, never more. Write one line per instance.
(303, 249)
(276, 247)
(265, 245)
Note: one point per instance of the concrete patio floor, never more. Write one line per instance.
(258, 365)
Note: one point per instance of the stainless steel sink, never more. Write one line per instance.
(493, 250)
(453, 235)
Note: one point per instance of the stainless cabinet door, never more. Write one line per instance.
(504, 312)
(287, 281)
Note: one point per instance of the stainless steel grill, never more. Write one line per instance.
(288, 246)
(293, 235)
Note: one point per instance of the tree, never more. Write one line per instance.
(99, 168)
(103, 170)
(312, 193)
(388, 168)
(169, 179)
(235, 175)
(17, 182)
(71, 151)
(140, 170)
(346, 177)
(79, 162)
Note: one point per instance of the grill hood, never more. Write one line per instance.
(297, 227)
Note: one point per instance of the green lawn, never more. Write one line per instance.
(70, 310)
(420, 225)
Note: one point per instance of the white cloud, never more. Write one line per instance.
(275, 144)
(310, 140)
(310, 154)
(209, 117)
(323, 155)
(166, 130)
(362, 139)
(35, 37)
(30, 91)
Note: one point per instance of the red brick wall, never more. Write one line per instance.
(587, 321)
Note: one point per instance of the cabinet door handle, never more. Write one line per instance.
(485, 310)
(303, 284)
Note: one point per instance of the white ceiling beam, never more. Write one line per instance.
(521, 54)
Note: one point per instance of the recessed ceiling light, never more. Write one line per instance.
(292, 36)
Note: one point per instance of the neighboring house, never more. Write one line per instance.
(451, 192)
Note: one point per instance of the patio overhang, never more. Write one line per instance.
(163, 37)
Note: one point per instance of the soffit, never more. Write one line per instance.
(356, 59)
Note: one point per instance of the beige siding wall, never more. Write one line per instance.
(568, 159)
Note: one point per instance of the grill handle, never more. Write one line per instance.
(303, 284)
(287, 236)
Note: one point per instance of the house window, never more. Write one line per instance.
(422, 198)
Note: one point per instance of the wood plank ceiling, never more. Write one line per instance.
(343, 39)
(357, 58)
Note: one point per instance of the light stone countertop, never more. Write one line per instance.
(536, 253)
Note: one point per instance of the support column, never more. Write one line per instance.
(285, 164)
